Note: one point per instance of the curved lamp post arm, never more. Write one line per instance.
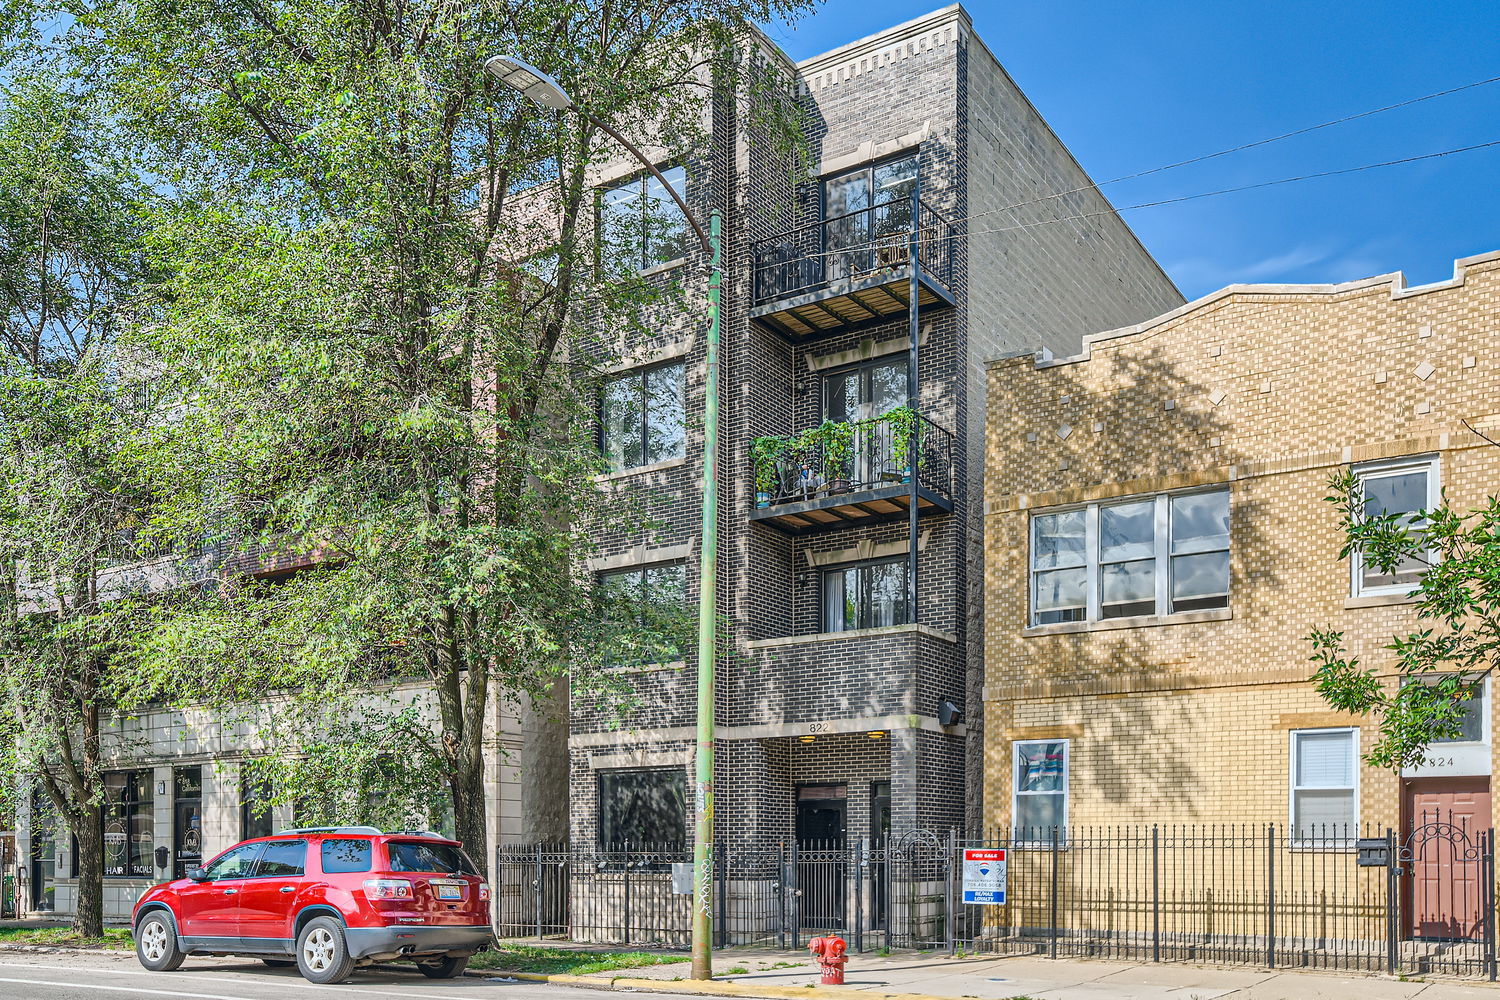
(526, 79)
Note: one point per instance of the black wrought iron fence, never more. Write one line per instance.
(1347, 898)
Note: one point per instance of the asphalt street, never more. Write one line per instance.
(29, 976)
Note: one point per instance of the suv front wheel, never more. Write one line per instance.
(156, 943)
(322, 953)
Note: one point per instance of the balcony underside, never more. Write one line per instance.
(871, 506)
(850, 303)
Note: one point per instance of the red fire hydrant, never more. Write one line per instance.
(830, 954)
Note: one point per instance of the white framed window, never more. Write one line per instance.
(1406, 486)
(1324, 786)
(1155, 555)
(1039, 800)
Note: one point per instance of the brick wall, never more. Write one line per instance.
(1269, 390)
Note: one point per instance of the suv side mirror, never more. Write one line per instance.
(199, 874)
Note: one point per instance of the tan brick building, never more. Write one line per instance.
(1158, 548)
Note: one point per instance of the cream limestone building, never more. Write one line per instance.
(1158, 548)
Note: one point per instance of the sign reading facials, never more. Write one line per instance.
(984, 876)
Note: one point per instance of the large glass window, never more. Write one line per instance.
(653, 599)
(647, 808)
(129, 830)
(1408, 488)
(1325, 763)
(255, 808)
(868, 214)
(641, 225)
(1144, 556)
(644, 417)
(865, 595)
(1041, 790)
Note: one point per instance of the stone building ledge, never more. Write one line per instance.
(858, 633)
(1379, 601)
(1143, 621)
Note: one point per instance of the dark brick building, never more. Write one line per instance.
(831, 700)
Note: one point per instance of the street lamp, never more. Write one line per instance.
(531, 82)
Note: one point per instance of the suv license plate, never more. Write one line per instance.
(448, 890)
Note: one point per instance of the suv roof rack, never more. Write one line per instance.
(367, 830)
(416, 833)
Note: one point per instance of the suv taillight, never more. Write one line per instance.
(387, 888)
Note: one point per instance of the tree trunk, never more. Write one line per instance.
(469, 817)
(88, 866)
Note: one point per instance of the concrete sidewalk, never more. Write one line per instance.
(912, 976)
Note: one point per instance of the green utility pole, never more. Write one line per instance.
(708, 572)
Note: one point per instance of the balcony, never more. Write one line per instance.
(841, 474)
(852, 270)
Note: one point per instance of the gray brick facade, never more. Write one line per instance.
(797, 705)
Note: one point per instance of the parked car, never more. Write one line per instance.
(327, 899)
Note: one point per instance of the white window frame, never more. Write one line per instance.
(1293, 788)
(1016, 793)
(1389, 467)
(1162, 543)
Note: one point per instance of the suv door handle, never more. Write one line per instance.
(289, 888)
(230, 892)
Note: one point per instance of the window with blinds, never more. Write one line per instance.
(1325, 766)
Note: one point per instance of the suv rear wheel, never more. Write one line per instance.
(156, 943)
(444, 968)
(322, 953)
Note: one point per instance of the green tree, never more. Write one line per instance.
(371, 365)
(1456, 644)
(69, 258)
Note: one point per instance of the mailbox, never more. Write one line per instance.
(163, 858)
(1374, 852)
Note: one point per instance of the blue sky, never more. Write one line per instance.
(1133, 85)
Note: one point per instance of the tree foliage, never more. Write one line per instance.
(1445, 660)
(357, 367)
(71, 214)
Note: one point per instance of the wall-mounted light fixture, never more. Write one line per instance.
(806, 739)
(876, 734)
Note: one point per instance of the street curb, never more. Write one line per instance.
(702, 987)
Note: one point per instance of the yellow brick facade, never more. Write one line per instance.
(1269, 390)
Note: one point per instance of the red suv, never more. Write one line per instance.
(327, 899)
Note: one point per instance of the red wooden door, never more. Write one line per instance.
(1446, 819)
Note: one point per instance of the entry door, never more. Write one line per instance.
(187, 820)
(1444, 893)
(822, 855)
(880, 831)
(43, 854)
(863, 393)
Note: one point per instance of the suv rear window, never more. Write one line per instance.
(416, 856)
(340, 856)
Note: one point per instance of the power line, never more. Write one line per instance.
(1243, 146)
(1229, 190)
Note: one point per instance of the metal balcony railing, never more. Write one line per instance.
(840, 458)
(857, 246)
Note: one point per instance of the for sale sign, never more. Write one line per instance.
(984, 876)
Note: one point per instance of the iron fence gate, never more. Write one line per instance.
(1338, 898)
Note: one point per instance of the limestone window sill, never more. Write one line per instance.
(641, 470)
(1379, 601)
(858, 633)
(1143, 621)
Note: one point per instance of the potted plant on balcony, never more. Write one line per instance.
(767, 454)
(837, 439)
(903, 424)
